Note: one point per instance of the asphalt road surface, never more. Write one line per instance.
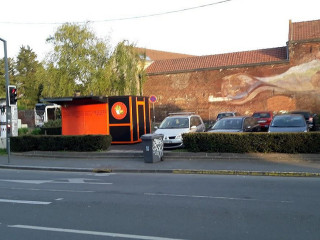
(61, 205)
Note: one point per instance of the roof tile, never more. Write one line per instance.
(304, 30)
(219, 60)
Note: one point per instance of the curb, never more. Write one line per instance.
(213, 172)
(169, 171)
(115, 154)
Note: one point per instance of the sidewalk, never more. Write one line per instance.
(127, 158)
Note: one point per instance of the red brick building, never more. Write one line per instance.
(277, 79)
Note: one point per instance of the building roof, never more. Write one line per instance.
(81, 100)
(298, 31)
(154, 55)
(217, 61)
(308, 30)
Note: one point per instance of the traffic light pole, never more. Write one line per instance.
(8, 108)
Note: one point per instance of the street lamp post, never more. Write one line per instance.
(8, 108)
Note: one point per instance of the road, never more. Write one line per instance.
(62, 205)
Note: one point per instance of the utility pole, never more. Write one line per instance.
(8, 108)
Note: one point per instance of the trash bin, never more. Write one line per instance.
(152, 147)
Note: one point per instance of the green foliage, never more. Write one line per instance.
(82, 62)
(3, 151)
(52, 123)
(253, 142)
(78, 62)
(127, 75)
(23, 131)
(60, 143)
(28, 78)
(11, 69)
(29, 131)
(36, 131)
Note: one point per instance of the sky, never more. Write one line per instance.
(195, 27)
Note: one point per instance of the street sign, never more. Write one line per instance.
(153, 98)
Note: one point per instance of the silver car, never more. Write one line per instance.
(288, 123)
(236, 124)
(173, 126)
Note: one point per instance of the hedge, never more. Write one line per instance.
(253, 142)
(79, 143)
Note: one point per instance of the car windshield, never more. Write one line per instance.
(230, 123)
(288, 121)
(261, 115)
(172, 122)
(305, 114)
(222, 115)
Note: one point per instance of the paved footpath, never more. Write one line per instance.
(125, 158)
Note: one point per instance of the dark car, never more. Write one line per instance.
(263, 118)
(312, 120)
(226, 114)
(288, 123)
(236, 124)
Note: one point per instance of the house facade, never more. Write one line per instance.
(276, 79)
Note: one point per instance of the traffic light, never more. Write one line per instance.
(12, 94)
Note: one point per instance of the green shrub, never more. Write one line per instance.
(60, 143)
(36, 131)
(253, 142)
(23, 131)
(52, 124)
(51, 131)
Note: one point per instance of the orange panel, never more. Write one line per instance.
(84, 119)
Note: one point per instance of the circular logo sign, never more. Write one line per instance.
(153, 98)
(119, 110)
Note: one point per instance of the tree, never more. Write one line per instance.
(78, 62)
(11, 70)
(127, 65)
(29, 74)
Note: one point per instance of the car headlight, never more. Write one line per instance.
(179, 136)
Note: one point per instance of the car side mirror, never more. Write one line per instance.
(155, 127)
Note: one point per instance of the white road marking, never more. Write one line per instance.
(102, 174)
(27, 181)
(59, 199)
(24, 202)
(212, 197)
(64, 181)
(107, 234)
(47, 190)
(94, 183)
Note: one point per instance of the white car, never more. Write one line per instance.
(173, 126)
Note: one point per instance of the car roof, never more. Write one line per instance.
(263, 112)
(235, 117)
(180, 115)
(225, 112)
(289, 114)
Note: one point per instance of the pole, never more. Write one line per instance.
(8, 108)
(154, 116)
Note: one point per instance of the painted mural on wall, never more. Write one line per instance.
(240, 88)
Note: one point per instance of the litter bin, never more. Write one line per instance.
(152, 147)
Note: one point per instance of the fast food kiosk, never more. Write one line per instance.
(125, 118)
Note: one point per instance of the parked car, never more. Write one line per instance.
(311, 119)
(263, 118)
(226, 114)
(173, 126)
(236, 124)
(288, 123)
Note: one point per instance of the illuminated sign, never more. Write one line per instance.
(119, 110)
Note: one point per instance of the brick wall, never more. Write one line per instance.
(283, 86)
(27, 117)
